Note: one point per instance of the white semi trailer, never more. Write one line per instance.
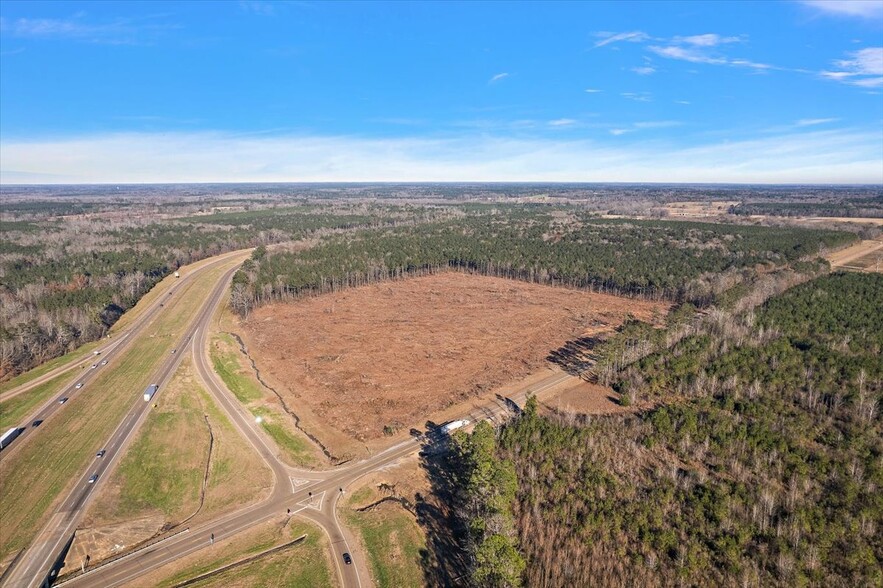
(9, 436)
(452, 426)
(150, 391)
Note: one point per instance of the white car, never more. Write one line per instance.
(94, 365)
(104, 362)
(80, 385)
(93, 478)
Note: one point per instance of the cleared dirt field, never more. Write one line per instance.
(393, 354)
(699, 209)
(861, 256)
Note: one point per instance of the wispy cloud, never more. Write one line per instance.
(257, 7)
(863, 68)
(606, 38)
(706, 40)
(645, 70)
(811, 156)
(638, 96)
(562, 122)
(811, 122)
(869, 9)
(498, 77)
(684, 102)
(593, 91)
(119, 31)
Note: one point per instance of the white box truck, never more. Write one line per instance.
(151, 390)
(9, 436)
(452, 426)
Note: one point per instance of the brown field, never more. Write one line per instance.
(861, 256)
(699, 209)
(394, 354)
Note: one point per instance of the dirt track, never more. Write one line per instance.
(845, 258)
(394, 353)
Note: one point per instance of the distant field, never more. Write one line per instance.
(305, 564)
(372, 361)
(862, 256)
(67, 442)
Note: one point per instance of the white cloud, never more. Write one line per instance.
(562, 122)
(638, 96)
(864, 68)
(120, 31)
(498, 77)
(706, 40)
(618, 132)
(257, 7)
(684, 102)
(657, 124)
(809, 122)
(607, 38)
(593, 91)
(870, 9)
(645, 70)
(833, 156)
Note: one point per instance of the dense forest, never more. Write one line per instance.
(679, 261)
(764, 467)
(848, 207)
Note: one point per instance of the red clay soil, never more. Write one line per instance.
(394, 353)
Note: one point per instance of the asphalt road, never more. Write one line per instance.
(35, 564)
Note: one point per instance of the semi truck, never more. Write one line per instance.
(452, 426)
(150, 391)
(9, 436)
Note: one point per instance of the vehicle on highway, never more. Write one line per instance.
(62, 400)
(454, 425)
(150, 391)
(96, 353)
(94, 365)
(80, 385)
(347, 559)
(93, 478)
(9, 436)
(104, 362)
(174, 351)
(101, 453)
(37, 423)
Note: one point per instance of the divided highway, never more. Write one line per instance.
(33, 567)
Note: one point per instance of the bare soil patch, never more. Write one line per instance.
(393, 354)
(586, 398)
(864, 255)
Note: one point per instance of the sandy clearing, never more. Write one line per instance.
(854, 252)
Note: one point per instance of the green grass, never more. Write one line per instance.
(164, 467)
(226, 365)
(14, 410)
(34, 477)
(303, 564)
(393, 542)
(297, 449)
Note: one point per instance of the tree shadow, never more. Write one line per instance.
(444, 560)
(576, 356)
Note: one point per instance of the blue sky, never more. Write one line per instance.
(307, 91)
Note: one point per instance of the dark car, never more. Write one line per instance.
(347, 559)
(62, 400)
(37, 423)
(93, 478)
(101, 453)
